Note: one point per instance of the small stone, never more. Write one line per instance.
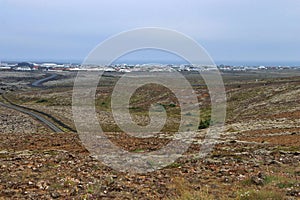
(4, 152)
(275, 162)
(227, 180)
(259, 179)
(212, 161)
(8, 192)
(294, 193)
(73, 192)
(55, 195)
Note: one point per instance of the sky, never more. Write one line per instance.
(237, 31)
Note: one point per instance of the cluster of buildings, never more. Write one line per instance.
(28, 66)
(125, 68)
(247, 68)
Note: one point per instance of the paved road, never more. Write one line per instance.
(32, 114)
(37, 83)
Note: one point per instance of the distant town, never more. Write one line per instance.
(127, 68)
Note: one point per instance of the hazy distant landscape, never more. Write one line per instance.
(170, 100)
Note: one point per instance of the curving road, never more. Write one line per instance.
(48, 123)
(39, 83)
(32, 114)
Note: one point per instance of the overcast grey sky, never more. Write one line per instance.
(230, 30)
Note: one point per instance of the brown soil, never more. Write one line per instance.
(265, 161)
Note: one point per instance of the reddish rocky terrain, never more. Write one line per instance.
(256, 157)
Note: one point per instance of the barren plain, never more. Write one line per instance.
(256, 157)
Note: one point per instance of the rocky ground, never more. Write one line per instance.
(11, 81)
(12, 121)
(46, 166)
(256, 157)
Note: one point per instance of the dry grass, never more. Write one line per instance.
(263, 194)
(184, 191)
